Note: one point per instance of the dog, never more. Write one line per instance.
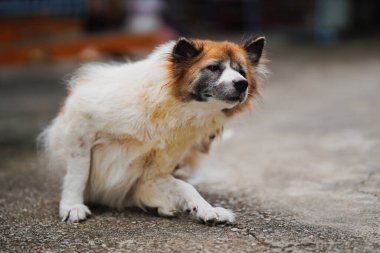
(125, 129)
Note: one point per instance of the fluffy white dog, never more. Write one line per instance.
(124, 128)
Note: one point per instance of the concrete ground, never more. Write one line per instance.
(301, 169)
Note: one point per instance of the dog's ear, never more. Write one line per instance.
(185, 49)
(254, 48)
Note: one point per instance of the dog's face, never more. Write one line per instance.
(218, 74)
(221, 79)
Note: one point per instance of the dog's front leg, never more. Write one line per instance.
(72, 206)
(170, 195)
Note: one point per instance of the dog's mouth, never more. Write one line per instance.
(235, 99)
(232, 99)
(229, 98)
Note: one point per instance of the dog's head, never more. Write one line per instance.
(221, 75)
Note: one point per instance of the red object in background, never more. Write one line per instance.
(17, 29)
(27, 40)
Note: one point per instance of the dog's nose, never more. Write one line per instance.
(241, 85)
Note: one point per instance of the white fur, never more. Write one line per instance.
(105, 129)
(229, 74)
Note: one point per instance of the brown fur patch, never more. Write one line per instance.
(162, 110)
(126, 140)
(191, 160)
(149, 158)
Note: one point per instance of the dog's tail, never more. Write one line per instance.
(49, 146)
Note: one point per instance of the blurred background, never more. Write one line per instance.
(41, 41)
(310, 146)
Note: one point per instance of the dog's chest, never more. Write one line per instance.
(164, 154)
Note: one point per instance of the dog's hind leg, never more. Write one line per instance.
(170, 195)
(72, 206)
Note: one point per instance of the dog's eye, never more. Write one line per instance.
(213, 67)
(242, 72)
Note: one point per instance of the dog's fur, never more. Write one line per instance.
(123, 129)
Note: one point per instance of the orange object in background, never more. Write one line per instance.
(109, 43)
(23, 41)
(45, 32)
(18, 29)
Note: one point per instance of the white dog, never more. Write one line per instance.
(124, 128)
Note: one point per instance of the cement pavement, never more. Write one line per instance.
(301, 169)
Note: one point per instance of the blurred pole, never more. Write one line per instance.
(144, 16)
(331, 18)
(252, 16)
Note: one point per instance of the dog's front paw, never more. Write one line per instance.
(215, 215)
(73, 212)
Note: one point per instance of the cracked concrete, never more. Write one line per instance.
(300, 169)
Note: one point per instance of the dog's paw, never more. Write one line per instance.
(215, 215)
(73, 213)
